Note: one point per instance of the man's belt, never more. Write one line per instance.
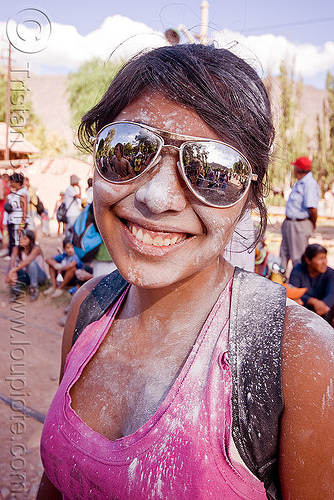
(298, 220)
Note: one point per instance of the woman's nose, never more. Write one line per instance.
(163, 191)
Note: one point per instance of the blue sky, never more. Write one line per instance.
(269, 30)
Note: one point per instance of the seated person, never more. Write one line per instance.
(27, 266)
(314, 274)
(65, 264)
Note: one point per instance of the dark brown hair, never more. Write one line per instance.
(312, 251)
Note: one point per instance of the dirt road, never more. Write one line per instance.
(29, 368)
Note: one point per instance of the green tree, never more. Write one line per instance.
(87, 86)
(330, 89)
(3, 93)
(323, 159)
(290, 138)
(290, 141)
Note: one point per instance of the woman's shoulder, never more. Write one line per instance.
(37, 248)
(307, 357)
(306, 332)
(330, 272)
(306, 452)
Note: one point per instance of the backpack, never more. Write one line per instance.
(61, 213)
(38, 205)
(8, 207)
(85, 237)
(255, 360)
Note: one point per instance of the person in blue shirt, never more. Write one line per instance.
(300, 214)
(314, 274)
(65, 264)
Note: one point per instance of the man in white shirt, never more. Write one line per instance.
(72, 200)
(301, 213)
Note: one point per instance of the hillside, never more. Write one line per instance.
(311, 105)
(48, 94)
(50, 103)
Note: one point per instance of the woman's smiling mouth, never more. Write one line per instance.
(155, 238)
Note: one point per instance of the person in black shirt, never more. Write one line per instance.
(314, 274)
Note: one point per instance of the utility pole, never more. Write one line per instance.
(204, 22)
(173, 36)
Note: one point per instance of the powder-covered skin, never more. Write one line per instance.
(308, 373)
(159, 201)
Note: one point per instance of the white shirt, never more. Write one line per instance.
(72, 204)
(15, 216)
(305, 194)
(89, 195)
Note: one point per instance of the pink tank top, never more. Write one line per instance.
(182, 452)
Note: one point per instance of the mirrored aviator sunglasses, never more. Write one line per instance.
(216, 173)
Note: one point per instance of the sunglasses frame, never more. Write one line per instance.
(161, 134)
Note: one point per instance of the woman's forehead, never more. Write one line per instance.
(153, 108)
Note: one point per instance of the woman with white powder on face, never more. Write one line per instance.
(179, 383)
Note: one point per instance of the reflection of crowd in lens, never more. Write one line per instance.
(124, 162)
(122, 166)
(211, 178)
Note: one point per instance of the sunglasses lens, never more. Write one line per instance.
(124, 150)
(216, 173)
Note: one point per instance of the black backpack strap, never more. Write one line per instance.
(255, 339)
(103, 295)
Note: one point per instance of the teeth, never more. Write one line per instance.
(140, 235)
(158, 241)
(147, 239)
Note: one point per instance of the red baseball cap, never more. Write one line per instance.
(303, 163)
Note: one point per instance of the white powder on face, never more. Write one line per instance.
(162, 192)
(112, 189)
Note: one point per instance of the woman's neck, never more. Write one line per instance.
(188, 302)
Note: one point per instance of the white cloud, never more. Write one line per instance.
(67, 49)
(267, 52)
(122, 37)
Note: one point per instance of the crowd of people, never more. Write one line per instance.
(25, 219)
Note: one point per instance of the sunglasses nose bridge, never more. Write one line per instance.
(170, 146)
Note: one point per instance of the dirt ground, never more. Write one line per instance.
(29, 367)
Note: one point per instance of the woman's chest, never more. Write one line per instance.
(124, 384)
